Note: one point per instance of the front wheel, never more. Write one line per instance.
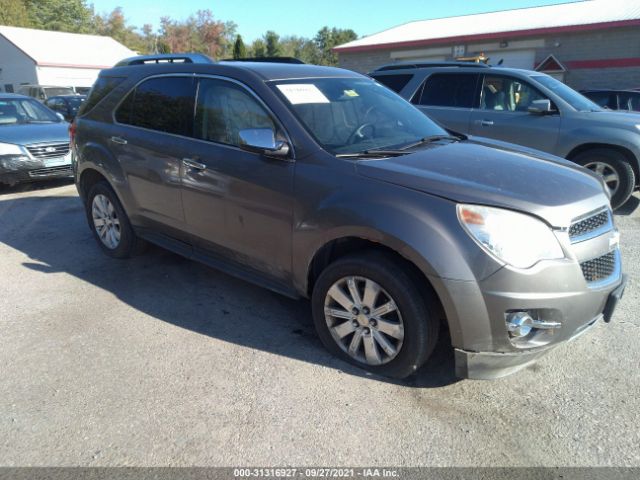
(369, 311)
(614, 169)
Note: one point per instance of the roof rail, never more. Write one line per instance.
(164, 58)
(266, 59)
(401, 66)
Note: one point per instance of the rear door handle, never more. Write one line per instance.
(191, 163)
(485, 123)
(119, 140)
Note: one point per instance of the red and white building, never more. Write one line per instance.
(588, 44)
(40, 57)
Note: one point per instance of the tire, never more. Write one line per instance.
(419, 324)
(614, 165)
(128, 244)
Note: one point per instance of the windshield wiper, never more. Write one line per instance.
(431, 139)
(373, 154)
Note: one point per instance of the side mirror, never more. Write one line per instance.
(262, 140)
(540, 107)
(60, 116)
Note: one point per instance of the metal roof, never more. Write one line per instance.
(587, 14)
(61, 49)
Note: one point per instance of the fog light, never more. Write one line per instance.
(519, 324)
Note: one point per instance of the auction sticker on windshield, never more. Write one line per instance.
(299, 93)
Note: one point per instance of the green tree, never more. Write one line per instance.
(272, 42)
(63, 15)
(115, 25)
(14, 13)
(299, 47)
(258, 48)
(239, 50)
(327, 38)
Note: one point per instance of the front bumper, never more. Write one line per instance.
(503, 359)
(25, 169)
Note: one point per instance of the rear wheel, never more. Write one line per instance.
(614, 169)
(109, 223)
(368, 310)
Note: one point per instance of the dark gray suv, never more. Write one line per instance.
(319, 182)
(526, 108)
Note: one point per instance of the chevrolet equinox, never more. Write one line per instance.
(319, 182)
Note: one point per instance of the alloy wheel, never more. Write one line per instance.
(105, 221)
(608, 174)
(364, 320)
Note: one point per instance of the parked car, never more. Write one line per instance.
(66, 105)
(527, 108)
(318, 182)
(81, 90)
(34, 141)
(42, 92)
(626, 100)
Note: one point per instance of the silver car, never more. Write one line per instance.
(526, 108)
(34, 141)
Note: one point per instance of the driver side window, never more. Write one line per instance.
(223, 109)
(507, 94)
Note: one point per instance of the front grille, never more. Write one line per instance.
(51, 171)
(599, 268)
(49, 150)
(589, 224)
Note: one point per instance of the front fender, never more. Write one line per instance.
(574, 138)
(423, 229)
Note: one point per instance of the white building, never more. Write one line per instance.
(41, 57)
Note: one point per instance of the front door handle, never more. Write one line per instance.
(191, 163)
(485, 123)
(119, 140)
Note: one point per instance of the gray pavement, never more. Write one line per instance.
(159, 361)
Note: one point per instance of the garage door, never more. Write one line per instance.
(516, 59)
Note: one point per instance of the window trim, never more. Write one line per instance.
(197, 76)
(521, 80)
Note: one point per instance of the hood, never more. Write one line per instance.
(28, 133)
(470, 172)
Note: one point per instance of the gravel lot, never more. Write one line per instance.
(161, 361)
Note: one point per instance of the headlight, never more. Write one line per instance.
(514, 238)
(10, 149)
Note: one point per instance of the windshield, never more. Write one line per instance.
(21, 110)
(351, 115)
(568, 94)
(55, 91)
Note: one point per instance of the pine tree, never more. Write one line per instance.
(239, 50)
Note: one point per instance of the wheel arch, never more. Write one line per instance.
(342, 246)
(88, 178)
(628, 154)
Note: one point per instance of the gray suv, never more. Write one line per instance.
(319, 182)
(527, 108)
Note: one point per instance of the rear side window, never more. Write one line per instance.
(629, 101)
(165, 104)
(393, 82)
(603, 99)
(103, 86)
(448, 90)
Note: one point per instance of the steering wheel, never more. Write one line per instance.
(359, 134)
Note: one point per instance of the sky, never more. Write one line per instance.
(305, 18)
